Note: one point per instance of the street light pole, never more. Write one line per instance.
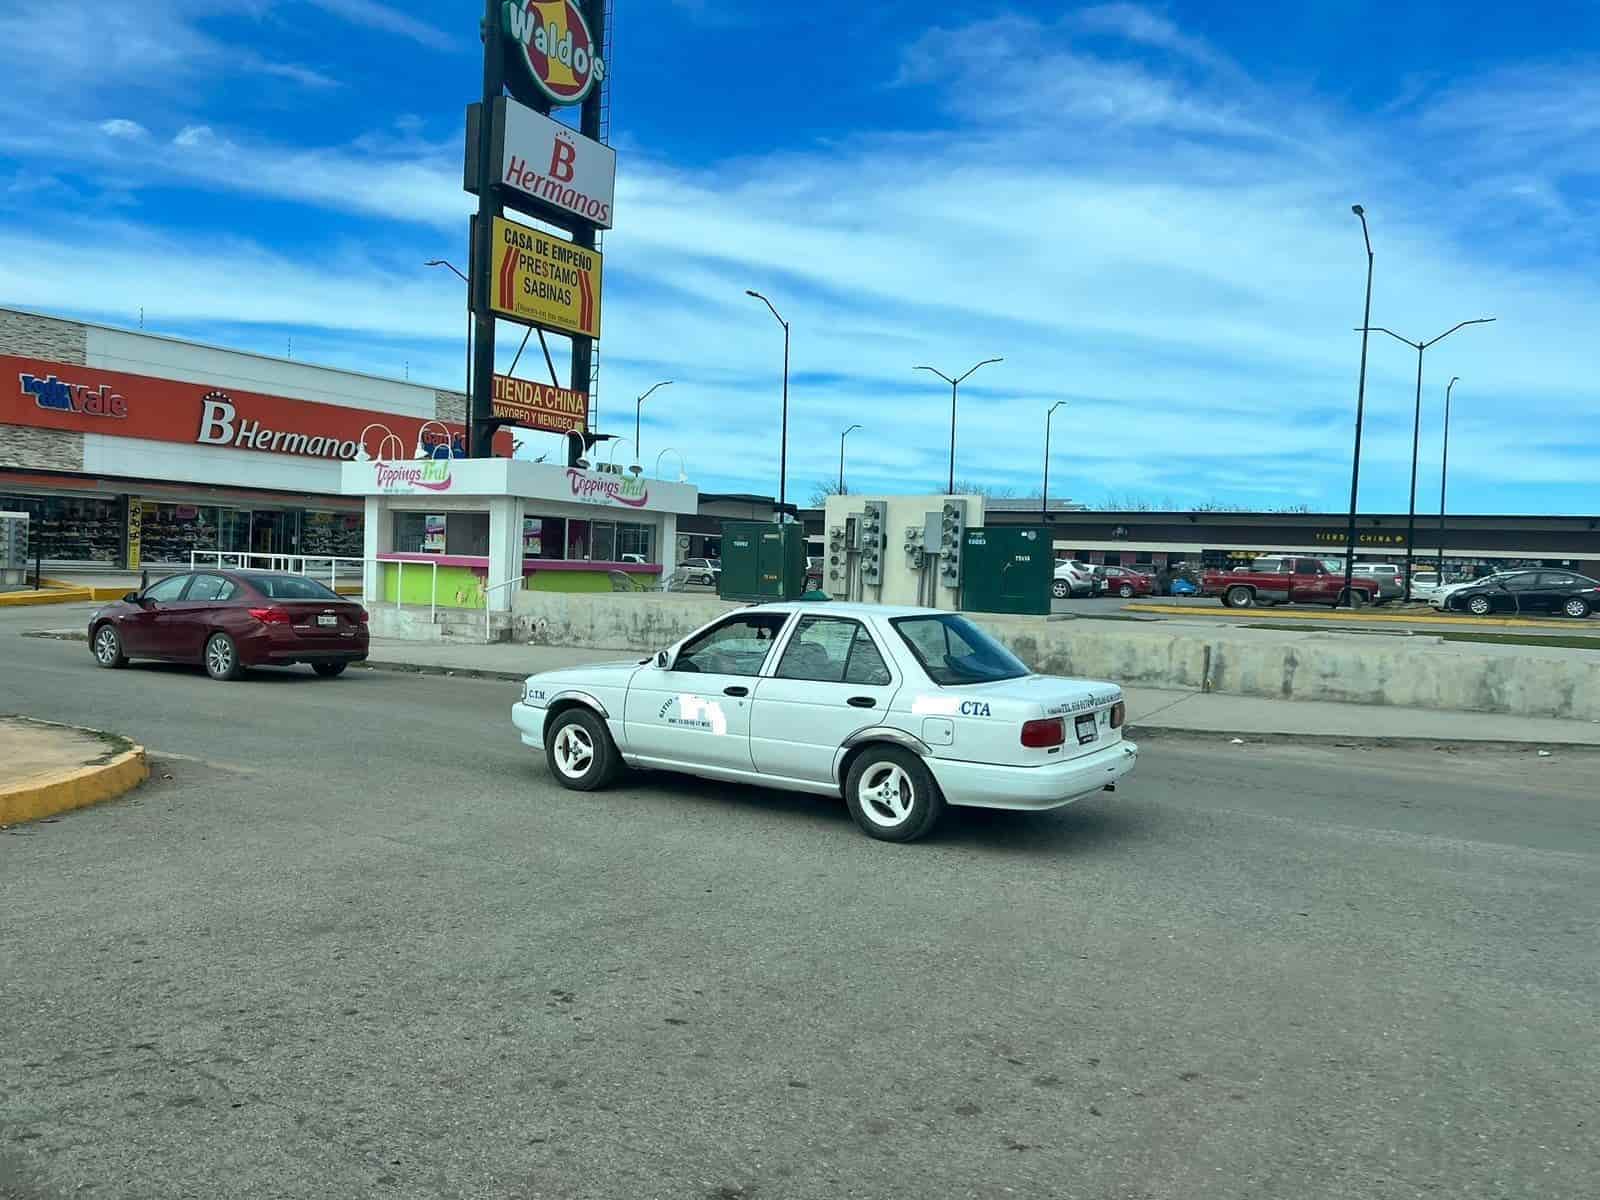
(440, 262)
(783, 437)
(1444, 472)
(637, 405)
(842, 437)
(1044, 492)
(954, 384)
(1361, 404)
(1416, 427)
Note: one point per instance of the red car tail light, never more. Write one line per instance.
(363, 616)
(1040, 735)
(1119, 714)
(271, 616)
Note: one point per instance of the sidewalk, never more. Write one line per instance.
(1149, 709)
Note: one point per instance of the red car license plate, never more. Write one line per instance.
(327, 619)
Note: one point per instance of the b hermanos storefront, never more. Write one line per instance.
(129, 450)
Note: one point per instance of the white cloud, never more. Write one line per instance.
(383, 17)
(120, 127)
(194, 135)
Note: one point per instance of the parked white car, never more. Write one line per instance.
(1073, 578)
(901, 710)
(1439, 597)
(704, 571)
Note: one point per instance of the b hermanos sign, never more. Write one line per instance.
(546, 169)
(556, 166)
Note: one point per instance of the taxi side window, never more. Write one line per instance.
(833, 650)
(736, 647)
(866, 663)
(818, 651)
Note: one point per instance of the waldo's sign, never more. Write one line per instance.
(553, 40)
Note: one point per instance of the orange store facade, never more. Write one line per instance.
(131, 450)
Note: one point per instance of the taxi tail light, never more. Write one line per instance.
(271, 616)
(1040, 735)
(1119, 714)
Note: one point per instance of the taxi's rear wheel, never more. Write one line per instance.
(892, 795)
(580, 751)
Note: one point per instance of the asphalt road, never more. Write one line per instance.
(350, 941)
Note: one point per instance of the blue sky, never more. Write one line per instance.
(1144, 209)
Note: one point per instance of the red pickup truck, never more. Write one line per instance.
(1285, 579)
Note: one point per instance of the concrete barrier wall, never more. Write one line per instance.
(1419, 672)
(611, 621)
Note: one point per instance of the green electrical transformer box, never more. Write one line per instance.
(762, 560)
(1006, 569)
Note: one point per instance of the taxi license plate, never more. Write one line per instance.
(1087, 732)
(327, 619)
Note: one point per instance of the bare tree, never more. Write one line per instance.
(989, 491)
(826, 488)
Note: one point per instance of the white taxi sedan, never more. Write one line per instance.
(903, 710)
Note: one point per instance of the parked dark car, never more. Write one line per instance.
(1120, 581)
(230, 620)
(1545, 591)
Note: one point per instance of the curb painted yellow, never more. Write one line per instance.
(1273, 613)
(75, 789)
(63, 596)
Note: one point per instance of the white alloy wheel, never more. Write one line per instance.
(1479, 606)
(1125, 591)
(886, 795)
(574, 751)
(1059, 589)
(108, 647)
(222, 659)
(1576, 606)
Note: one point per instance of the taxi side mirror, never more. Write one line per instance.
(663, 660)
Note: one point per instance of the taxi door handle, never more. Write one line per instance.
(735, 691)
(862, 702)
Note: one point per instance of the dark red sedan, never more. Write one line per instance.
(1125, 583)
(230, 620)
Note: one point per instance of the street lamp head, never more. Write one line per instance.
(1358, 210)
(752, 292)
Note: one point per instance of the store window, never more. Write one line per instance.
(70, 528)
(641, 540)
(605, 542)
(333, 533)
(170, 532)
(442, 533)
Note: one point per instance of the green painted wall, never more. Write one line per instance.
(459, 587)
(569, 581)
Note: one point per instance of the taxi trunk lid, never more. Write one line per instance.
(991, 718)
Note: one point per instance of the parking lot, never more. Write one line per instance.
(350, 940)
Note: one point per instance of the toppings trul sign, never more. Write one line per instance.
(553, 41)
(544, 280)
(540, 405)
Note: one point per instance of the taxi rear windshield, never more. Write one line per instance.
(952, 650)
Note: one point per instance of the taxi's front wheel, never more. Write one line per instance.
(892, 795)
(580, 751)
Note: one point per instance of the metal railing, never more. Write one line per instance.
(318, 566)
(488, 609)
